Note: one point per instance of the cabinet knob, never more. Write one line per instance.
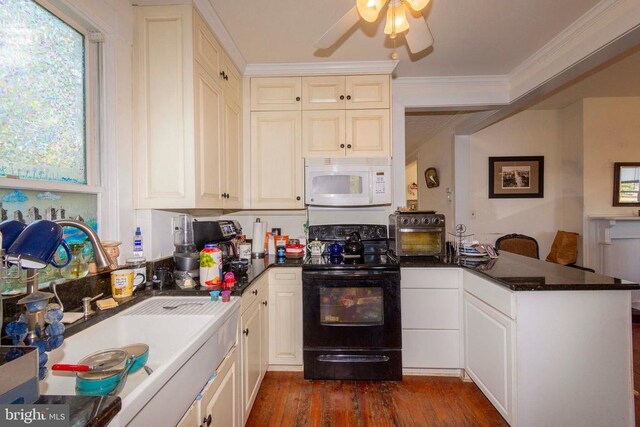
(298, 198)
(226, 77)
(348, 145)
(246, 331)
(209, 420)
(298, 98)
(222, 74)
(341, 97)
(255, 292)
(341, 145)
(348, 96)
(264, 303)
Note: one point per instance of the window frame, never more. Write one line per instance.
(92, 66)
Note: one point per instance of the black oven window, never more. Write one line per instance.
(351, 306)
(337, 184)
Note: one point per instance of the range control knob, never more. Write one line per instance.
(381, 232)
(425, 220)
(404, 221)
(436, 221)
(415, 221)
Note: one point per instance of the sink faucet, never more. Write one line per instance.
(103, 261)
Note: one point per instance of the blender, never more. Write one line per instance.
(185, 255)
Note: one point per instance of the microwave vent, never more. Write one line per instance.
(369, 161)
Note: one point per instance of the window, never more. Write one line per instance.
(42, 92)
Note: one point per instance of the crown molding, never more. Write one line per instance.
(320, 68)
(600, 26)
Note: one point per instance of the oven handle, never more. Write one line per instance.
(352, 358)
(419, 230)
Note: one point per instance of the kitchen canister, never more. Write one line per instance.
(244, 250)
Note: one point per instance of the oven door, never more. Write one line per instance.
(351, 310)
(419, 241)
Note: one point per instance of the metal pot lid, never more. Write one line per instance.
(136, 350)
(104, 364)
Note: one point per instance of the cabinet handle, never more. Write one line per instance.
(255, 292)
(298, 98)
(341, 97)
(341, 145)
(348, 96)
(298, 198)
(222, 74)
(246, 331)
(264, 303)
(226, 77)
(348, 145)
(209, 420)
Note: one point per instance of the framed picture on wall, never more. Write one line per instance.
(516, 177)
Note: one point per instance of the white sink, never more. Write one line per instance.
(175, 338)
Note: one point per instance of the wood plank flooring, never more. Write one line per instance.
(287, 399)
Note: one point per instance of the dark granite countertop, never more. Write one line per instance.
(520, 273)
(90, 411)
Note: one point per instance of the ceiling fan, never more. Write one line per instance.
(403, 16)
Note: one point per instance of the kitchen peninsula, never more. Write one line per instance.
(531, 332)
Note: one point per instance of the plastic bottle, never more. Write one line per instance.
(137, 244)
(210, 266)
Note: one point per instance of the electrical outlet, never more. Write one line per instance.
(473, 215)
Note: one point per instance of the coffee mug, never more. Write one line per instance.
(10, 230)
(37, 245)
(162, 276)
(122, 283)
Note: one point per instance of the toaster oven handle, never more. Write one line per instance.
(417, 230)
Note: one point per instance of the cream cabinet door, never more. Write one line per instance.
(220, 403)
(323, 93)
(368, 133)
(285, 324)
(206, 49)
(367, 92)
(277, 169)
(232, 80)
(323, 133)
(276, 93)
(263, 300)
(232, 163)
(208, 138)
(251, 356)
(489, 338)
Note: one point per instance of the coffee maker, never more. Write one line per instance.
(186, 254)
(222, 232)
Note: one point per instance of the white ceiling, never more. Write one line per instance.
(488, 37)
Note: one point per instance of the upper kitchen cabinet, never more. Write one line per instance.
(188, 130)
(276, 94)
(345, 92)
(277, 169)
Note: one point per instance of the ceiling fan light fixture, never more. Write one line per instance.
(417, 5)
(396, 19)
(369, 10)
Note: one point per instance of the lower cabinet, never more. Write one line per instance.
(285, 317)
(431, 318)
(489, 352)
(219, 404)
(254, 341)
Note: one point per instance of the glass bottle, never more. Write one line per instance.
(78, 267)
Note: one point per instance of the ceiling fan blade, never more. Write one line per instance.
(338, 29)
(419, 36)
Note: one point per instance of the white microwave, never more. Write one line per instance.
(348, 181)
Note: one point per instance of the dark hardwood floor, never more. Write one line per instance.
(286, 399)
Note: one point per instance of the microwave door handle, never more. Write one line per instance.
(371, 187)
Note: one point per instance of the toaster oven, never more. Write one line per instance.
(417, 234)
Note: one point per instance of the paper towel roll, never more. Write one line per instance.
(257, 243)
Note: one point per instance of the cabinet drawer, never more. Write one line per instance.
(441, 278)
(498, 297)
(251, 294)
(430, 308)
(286, 275)
(431, 349)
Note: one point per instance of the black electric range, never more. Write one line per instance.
(351, 308)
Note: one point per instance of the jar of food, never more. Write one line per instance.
(210, 266)
(139, 267)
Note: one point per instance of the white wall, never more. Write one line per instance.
(411, 176)
(611, 134)
(530, 133)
